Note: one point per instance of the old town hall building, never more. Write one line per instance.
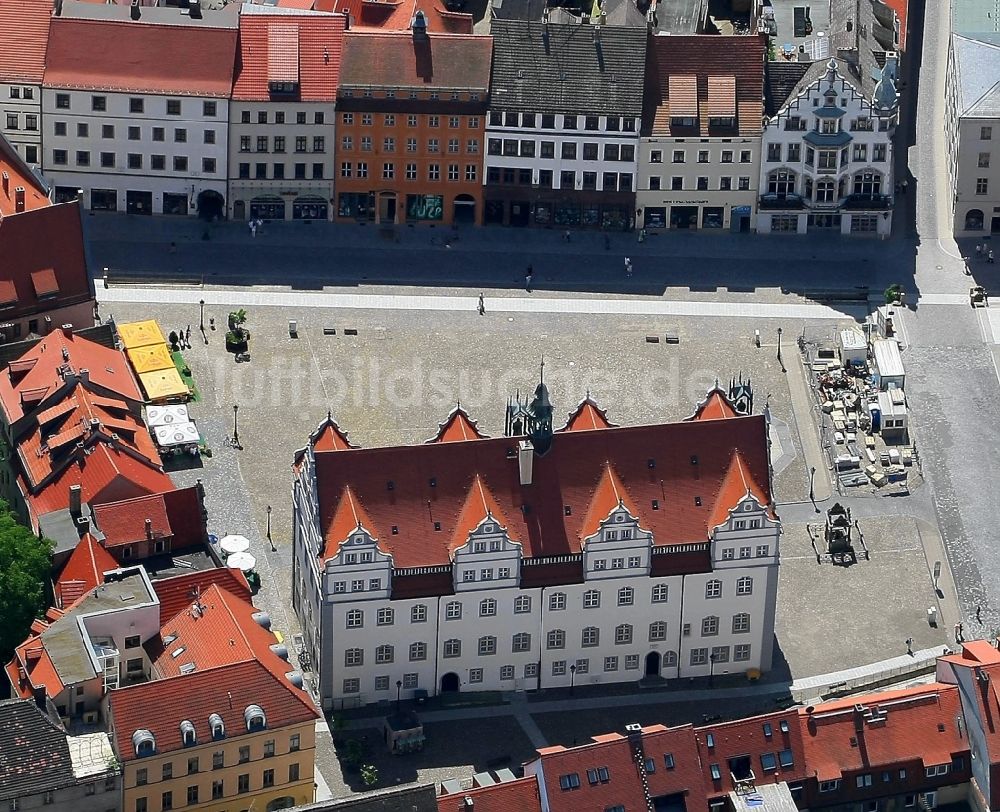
(590, 554)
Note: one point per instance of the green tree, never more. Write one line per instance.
(24, 571)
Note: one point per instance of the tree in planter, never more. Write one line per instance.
(238, 335)
(893, 294)
(369, 775)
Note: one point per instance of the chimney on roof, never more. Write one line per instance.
(525, 460)
(41, 699)
(6, 184)
(75, 506)
(149, 529)
(84, 375)
(18, 198)
(194, 9)
(419, 27)
(135, 13)
(83, 525)
(859, 719)
(468, 804)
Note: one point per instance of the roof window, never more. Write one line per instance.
(255, 718)
(217, 727)
(188, 735)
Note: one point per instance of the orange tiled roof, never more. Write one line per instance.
(44, 367)
(24, 32)
(177, 593)
(83, 571)
(458, 426)
(479, 505)
(566, 476)
(395, 15)
(609, 494)
(738, 483)
(510, 796)
(587, 416)
(317, 39)
(715, 407)
(912, 731)
(124, 522)
(391, 59)
(227, 691)
(32, 667)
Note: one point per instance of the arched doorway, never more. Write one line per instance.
(464, 210)
(284, 802)
(449, 683)
(267, 207)
(211, 205)
(974, 220)
(653, 664)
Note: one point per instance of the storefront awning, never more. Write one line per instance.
(164, 384)
(151, 358)
(140, 334)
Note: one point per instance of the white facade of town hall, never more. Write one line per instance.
(618, 625)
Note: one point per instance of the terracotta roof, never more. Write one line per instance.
(318, 46)
(686, 776)
(395, 15)
(509, 796)
(330, 437)
(177, 593)
(83, 571)
(479, 506)
(608, 496)
(125, 56)
(24, 32)
(31, 666)
(124, 522)
(649, 461)
(912, 731)
(227, 691)
(46, 240)
(902, 9)
(458, 426)
(35, 751)
(715, 407)
(739, 482)
(587, 416)
(221, 632)
(393, 60)
(704, 75)
(40, 369)
(18, 175)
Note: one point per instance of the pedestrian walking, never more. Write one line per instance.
(566, 235)
(528, 276)
(979, 250)
(628, 267)
(482, 306)
(909, 646)
(252, 226)
(905, 184)
(989, 257)
(958, 632)
(979, 613)
(187, 336)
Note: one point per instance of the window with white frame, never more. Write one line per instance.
(741, 652)
(487, 646)
(660, 593)
(418, 613)
(741, 623)
(475, 675)
(488, 607)
(522, 604)
(557, 601)
(623, 634)
(521, 642)
(744, 585)
(452, 648)
(610, 663)
(713, 589)
(385, 616)
(384, 654)
(590, 637)
(558, 668)
(556, 638)
(657, 631)
(709, 626)
(453, 610)
(354, 657)
(355, 619)
(626, 596)
(591, 599)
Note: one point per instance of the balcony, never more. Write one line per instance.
(867, 203)
(783, 202)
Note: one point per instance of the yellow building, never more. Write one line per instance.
(227, 739)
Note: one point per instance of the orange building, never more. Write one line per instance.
(411, 118)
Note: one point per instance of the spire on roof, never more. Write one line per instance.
(540, 414)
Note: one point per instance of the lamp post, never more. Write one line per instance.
(236, 427)
(711, 670)
(812, 479)
(572, 679)
(201, 323)
(273, 548)
(399, 687)
(779, 343)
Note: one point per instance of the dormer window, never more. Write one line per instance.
(254, 717)
(188, 736)
(144, 743)
(217, 727)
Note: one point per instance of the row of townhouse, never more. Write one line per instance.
(594, 554)
(923, 747)
(279, 113)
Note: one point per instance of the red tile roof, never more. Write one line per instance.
(912, 731)
(902, 9)
(456, 427)
(318, 39)
(739, 482)
(672, 62)
(83, 571)
(587, 416)
(395, 15)
(24, 32)
(227, 691)
(40, 369)
(446, 61)
(330, 437)
(125, 522)
(509, 796)
(686, 774)
(565, 476)
(31, 666)
(480, 504)
(221, 632)
(125, 56)
(18, 175)
(608, 496)
(44, 239)
(714, 407)
(177, 593)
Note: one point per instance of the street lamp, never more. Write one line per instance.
(711, 670)
(273, 548)
(201, 324)
(812, 478)
(399, 687)
(779, 343)
(236, 427)
(572, 679)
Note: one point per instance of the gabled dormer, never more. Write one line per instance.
(715, 406)
(743, 528)
(482, 550)
(356, 567)
(614, 545)
(458, 426)
(587, 416)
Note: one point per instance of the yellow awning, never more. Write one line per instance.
(164, 384)
(140, 334)
(151, 358)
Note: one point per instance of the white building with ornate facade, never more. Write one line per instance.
(826, 157)
(595, 554)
